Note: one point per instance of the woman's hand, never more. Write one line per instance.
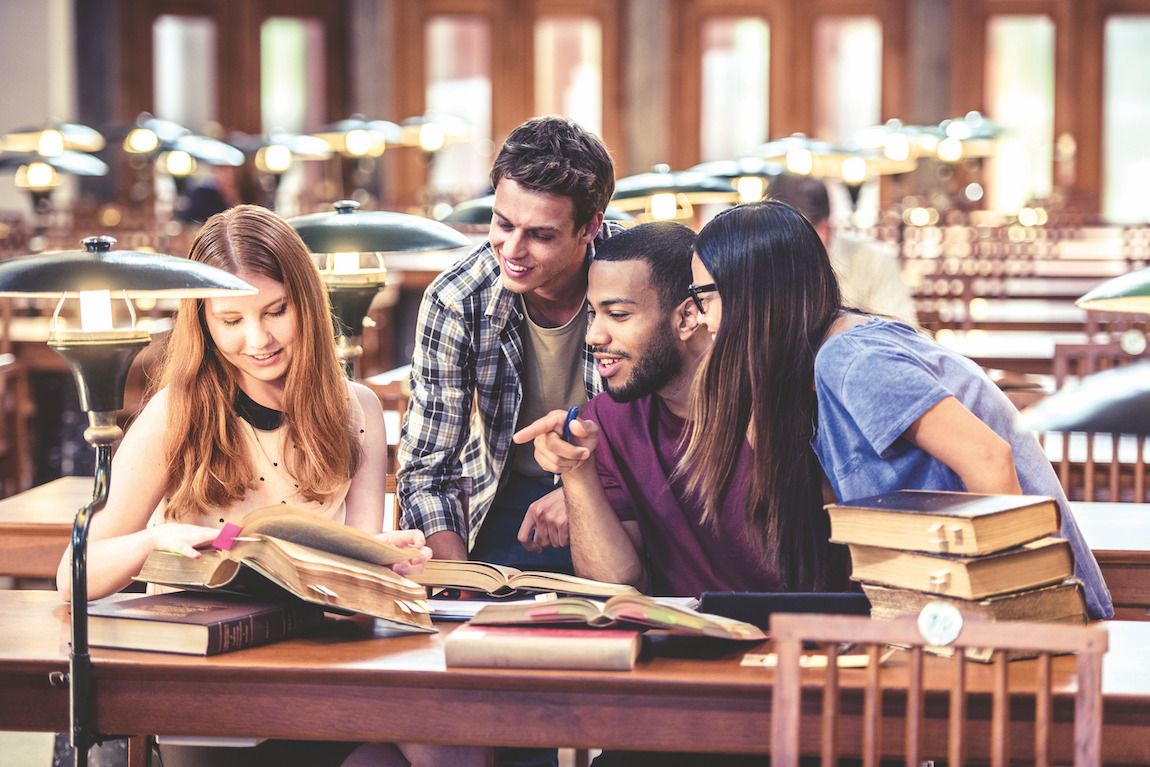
(408, 539)
(182, 539)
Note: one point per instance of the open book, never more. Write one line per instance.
(280, 548)
(501, 579)
(626, 611)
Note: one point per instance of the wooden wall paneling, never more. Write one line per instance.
(651, 93)
(895, 18)
(406, 173)
(686, 75)
(1079, 72)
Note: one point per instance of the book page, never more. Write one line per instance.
(291, 524)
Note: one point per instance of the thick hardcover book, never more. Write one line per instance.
(1038, 563)
(542, 647)
(944, 522)
(282, 549)
(501, 579)
(630, 611)
(1058, 603)
(1063, 602)
(196, 623)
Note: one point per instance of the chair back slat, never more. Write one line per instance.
(1043, 711)
(1000, 713)
(956, 724)
(872, 719)
(829, 747)
(908, 677)
(914, 707)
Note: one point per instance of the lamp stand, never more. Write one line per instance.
(349, 306)
(100, 368)
(103, 434)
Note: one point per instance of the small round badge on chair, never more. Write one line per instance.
(940, 623)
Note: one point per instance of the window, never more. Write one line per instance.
(848, 76)
(735, 69)
(1020, 97)
(459, 86)
(292, 94)
(1126, 119)
(569, 69)
(184, 70)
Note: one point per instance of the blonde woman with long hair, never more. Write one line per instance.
(251, 408)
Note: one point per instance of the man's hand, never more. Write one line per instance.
(545, 523)
(553, 453)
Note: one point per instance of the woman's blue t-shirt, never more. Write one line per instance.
(876, 379)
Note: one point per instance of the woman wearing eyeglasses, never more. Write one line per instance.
(883, 407)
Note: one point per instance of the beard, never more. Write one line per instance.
(655, 367)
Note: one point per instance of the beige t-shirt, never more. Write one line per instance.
(552, 379)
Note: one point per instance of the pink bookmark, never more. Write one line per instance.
(227, 535)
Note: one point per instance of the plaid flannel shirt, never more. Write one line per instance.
(468, 350)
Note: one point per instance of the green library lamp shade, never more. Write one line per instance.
(1115, 401)
(1125, 293)
(348, 246)
(664, 195)
(478, 212)
(53, 138)
(349, 230)
(99, 355)
(750, 176)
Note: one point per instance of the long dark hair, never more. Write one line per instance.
(779, 298)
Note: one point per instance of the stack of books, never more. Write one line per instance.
(995, 556)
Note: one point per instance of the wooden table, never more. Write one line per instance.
(348, 683)
(36, 526)
(1119, 536)
(1020, 351)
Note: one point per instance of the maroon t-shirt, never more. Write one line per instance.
(637, 454)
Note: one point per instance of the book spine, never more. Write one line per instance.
(262, 628)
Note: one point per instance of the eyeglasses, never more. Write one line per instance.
(695, 290)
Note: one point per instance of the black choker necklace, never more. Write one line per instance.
(262, 418)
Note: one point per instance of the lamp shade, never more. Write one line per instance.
(1116, 401)
(699, 187)
(899, 141)
(740, 166)
(358, 136)
(168, 136)
(479, 211)
(76, 163)
(137, 274)
(1126, 293)
(348, 230)
(68, 137)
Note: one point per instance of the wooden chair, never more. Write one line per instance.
(1076, 361)
(1097, 466)
(906, 668)
(393, 396)
(16, 408)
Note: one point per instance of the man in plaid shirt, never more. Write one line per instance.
(500, 342)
